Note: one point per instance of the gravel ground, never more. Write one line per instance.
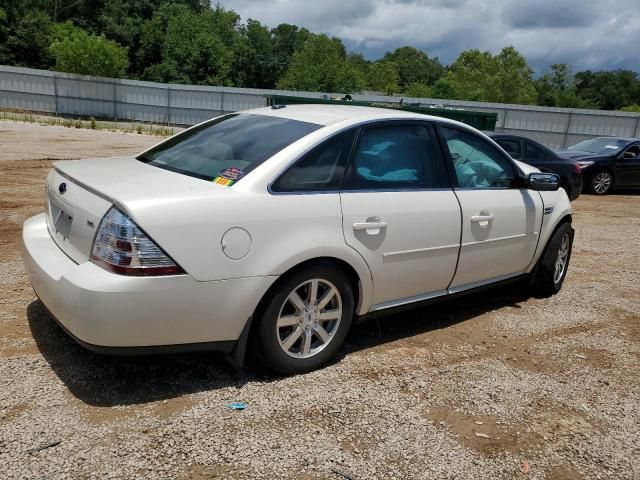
(497, 385)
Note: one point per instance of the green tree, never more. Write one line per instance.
(321, 66)
(481, 76)
(191, 46)
(609, 90)
(384, 77)
(255, 64)
(25, 36)
(514, 78)
(75, 51)
(556, 88)
(418, 90)
(414, 66)
(358, 62)
(287, 39)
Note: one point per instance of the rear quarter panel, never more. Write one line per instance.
(285, 231)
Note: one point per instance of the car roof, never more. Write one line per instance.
(322, 114)
(508, 135)
(626, 139)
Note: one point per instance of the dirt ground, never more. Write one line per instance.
(498, 385)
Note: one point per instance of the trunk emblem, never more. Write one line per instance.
(62, 188)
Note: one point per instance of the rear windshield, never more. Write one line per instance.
(225, 149)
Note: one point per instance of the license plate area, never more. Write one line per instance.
(61, 218)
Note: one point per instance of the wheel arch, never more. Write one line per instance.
(361, 286)
(359, 278)
(546, 236)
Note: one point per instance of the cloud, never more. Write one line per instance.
(591, 35)
(532, 15)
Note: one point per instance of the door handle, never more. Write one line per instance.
(481, 218)
(369, 226)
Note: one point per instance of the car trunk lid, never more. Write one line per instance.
(80, 192)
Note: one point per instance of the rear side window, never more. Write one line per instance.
(512, 147)
(319, 170)
(395, 156)
(476, 162)
(227, 148)
(536, 154)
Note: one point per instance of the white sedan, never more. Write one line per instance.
(270, 230)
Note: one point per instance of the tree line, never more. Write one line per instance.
(193, 42)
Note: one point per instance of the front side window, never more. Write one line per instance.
(228, 147)
(394, 156)
(320, 170)
(633, 152)
(476, 162)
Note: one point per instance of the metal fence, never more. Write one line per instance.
(76, 95)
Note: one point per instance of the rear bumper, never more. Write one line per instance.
(112, 313)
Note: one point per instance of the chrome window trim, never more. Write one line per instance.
(370, 190)
(356, 126)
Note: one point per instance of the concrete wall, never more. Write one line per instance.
(77, 95)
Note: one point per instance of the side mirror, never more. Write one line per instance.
(543, 182)
(628, 156)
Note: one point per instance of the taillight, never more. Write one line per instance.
(121, 247)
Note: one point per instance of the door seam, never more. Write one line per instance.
(455, 270)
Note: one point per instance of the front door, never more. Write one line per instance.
(627, 169)
(500, 224)
(400, 213)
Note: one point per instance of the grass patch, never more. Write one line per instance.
(91, 123)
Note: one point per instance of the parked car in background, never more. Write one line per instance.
(546, 160)
(274, 227)
(607, 162)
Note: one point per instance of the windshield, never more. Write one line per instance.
(225, 149)
(600, 145)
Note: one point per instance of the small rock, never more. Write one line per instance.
(482, 435)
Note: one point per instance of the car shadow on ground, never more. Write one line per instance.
(105, 381)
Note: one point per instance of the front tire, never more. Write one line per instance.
(601, 183)
(306, 320)
(554, 263)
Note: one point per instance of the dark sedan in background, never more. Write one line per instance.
(607, 163)
(539, 156)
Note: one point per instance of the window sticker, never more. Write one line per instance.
(228, 176)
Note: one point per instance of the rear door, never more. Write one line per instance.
(500, 223)
(400, 212)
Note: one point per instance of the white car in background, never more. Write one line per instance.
(269, 230)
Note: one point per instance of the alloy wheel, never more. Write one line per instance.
(562, 258)
(602, 182)
(309, 318)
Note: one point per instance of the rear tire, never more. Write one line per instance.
(554, 262)
(601, 183)
(306, 320)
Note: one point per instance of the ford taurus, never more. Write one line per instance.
(269, 231)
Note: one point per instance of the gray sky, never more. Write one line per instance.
(589, 34)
